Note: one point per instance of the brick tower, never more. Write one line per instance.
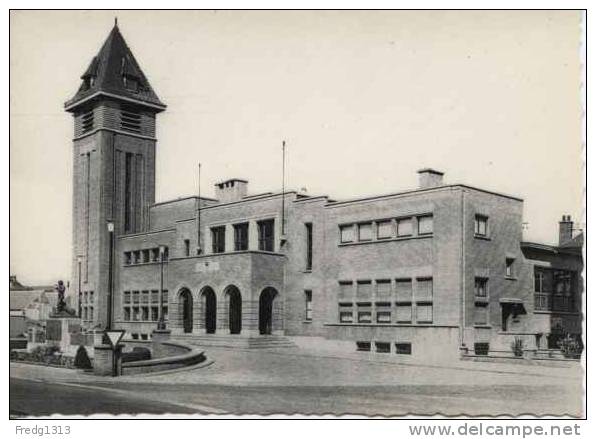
(113, 166)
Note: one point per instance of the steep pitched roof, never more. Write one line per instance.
(109, 72)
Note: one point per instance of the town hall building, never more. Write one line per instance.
(412, 272)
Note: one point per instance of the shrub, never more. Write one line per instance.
(517, 346)
(81, 360)
(570, 346)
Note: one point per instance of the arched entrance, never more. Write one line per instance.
(234, 302)
(266, 299)
(185, 301)
(209, 302)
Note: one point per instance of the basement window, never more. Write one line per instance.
(403, 348)
(383, 347)
(481, 348)
(363, 346)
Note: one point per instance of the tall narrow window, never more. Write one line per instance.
(241, 237)
(187, 247)
(308, 246)
(128, 195)
(266, 235)
(218, 239)
(481, 287)
(509, 272)
(481, 225)
(308, 305)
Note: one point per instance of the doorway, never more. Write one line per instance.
(186, 305)
(266, 299)
(209, 303)
(234, 300)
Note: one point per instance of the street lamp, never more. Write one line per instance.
(161, 324)
(110, 282)
(80, 262)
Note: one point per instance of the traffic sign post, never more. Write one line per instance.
(114, 336)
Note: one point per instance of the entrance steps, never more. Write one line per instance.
(236, 341)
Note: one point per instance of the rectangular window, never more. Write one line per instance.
(365, 232)
(346, 288)
(347, 233)
(363, 346)
(364, 312)
(308, 305)
(155, 255)
(154, 313)
(384, 229)
(403, 289)
(383, 312)
(308, 227)
(135, 336)
(403, 348)
(404, 227)
(145, 296)
(90, 313)
(145, 313)
(91, 297)
(509, 263)
(127, 258)
(481, 348)
(424, 289)
(481, 287)
(165, 312)
(187, 247)
(424, 312)
(127, 313)
(481, 225)
(266, 235)
(154, 296)
(137, 257)
(383, 287)
(364, 288)
(346, 312)
(135, 297)
(127, 297)
(241, 237)
(425, 225)
(218, 239)
(404, 312)
(144, 337)
(481, 313)
(136, 313)
(145, 256)
(383, 347)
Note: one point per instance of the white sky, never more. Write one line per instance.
(363, 99)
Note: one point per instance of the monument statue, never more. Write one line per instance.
(61, 307)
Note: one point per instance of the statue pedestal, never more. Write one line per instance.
(59, 328)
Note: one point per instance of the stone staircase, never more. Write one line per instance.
(235, 341)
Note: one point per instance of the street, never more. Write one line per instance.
(295, 381)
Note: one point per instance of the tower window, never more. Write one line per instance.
(266, 235)
(187, 247)
(130, 119)
(308, 305)
(87, 121)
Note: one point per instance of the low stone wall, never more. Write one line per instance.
(179, 356)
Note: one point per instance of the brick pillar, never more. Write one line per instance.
(103, 360)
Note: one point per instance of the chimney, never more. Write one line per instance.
(428, 178)
(565, 229)
(231, 190)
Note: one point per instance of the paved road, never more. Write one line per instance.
(34, 398)
(286, 382)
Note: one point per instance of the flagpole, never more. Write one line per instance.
(199, 215)
(283, 189)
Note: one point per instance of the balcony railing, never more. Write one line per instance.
(549, 302)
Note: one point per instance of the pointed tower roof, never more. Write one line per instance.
(114, 72)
